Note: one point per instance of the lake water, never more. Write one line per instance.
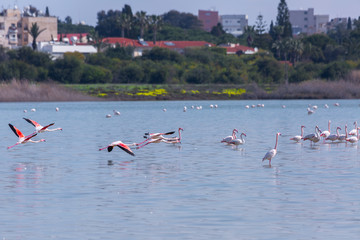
(65, 188)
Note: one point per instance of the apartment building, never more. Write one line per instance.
(15, 26)
(208, 18)
(234, 24)
(305, 21)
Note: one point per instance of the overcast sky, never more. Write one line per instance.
(86, 10)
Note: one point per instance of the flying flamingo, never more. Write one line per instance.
(174, 139)
(334, 137)
(326, 133)
(39, 128)
(150, 136)
(353, 132)
(121, 145)
(271, 153)
(232, 137)
(297, 138)
(23, 139)
(313, 137)
(238, 141)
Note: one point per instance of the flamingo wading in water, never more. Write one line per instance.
(297, 138)
(271, 153)
(238, 141)
(230, 138)
(313, 137)
(39, 128)
(23, 139)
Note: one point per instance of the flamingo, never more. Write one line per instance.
(343, 137)
(310, 111)
(313, 137)
(174, 139)
(297, 138)
(353, 132)
(23, 139)
(39, 128)
(326, 133)
(238, 141)
(116, 112)
(271, 153)
(354, 139)
(121, 145)
(149, 136)
(334, 137)
(232, 137)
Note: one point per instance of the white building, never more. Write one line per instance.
(234, 24)
(304, 21)
(57, 50)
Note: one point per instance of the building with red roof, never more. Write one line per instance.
(141, 45)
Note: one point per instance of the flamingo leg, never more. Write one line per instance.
(13, 145)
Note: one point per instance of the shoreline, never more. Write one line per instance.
(24, 91)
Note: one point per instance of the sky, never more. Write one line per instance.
(86, 10)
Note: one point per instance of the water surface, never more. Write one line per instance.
(64, 188)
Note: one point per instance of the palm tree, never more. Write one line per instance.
(35, 32)
(296, 49)
(96, 40)
(283, 47)
(249, 32)
(125, 23)
(141, 20)
(155, 23)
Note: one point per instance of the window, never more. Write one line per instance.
(207, 14)
(2, 26)
(305, 19)
(305, 12)
(305, 26)
(19, 24)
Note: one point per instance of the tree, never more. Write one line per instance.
(68, 20)
(125, 23)
(249, 32)
(35, 32)
(182, 20)
(142, 21)
(155, 23)
(283, 19)
(47, 14)
(217, 30)
(96, 40)
(349, 24)
(260, 24)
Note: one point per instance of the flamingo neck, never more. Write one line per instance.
(337, 131)
(346, 135)
(302, 131)
(241, 136)
(179, 134)
(329, 125)
(276, 143)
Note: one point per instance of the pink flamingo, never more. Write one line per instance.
(149, 136)
(313, 137)
(229, 138)
(334, 137)
(174, 139)
(354, 139)
(343, 137)
(121, 145)
(326, 133)
(238, 141)
(271, 153)
(354, 131)
(39, 128)
(297, 138)
(23, 139)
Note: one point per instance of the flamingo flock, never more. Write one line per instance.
(22, 139)
(164, 137)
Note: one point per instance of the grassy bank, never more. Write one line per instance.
(25, 91)
(22, 91)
